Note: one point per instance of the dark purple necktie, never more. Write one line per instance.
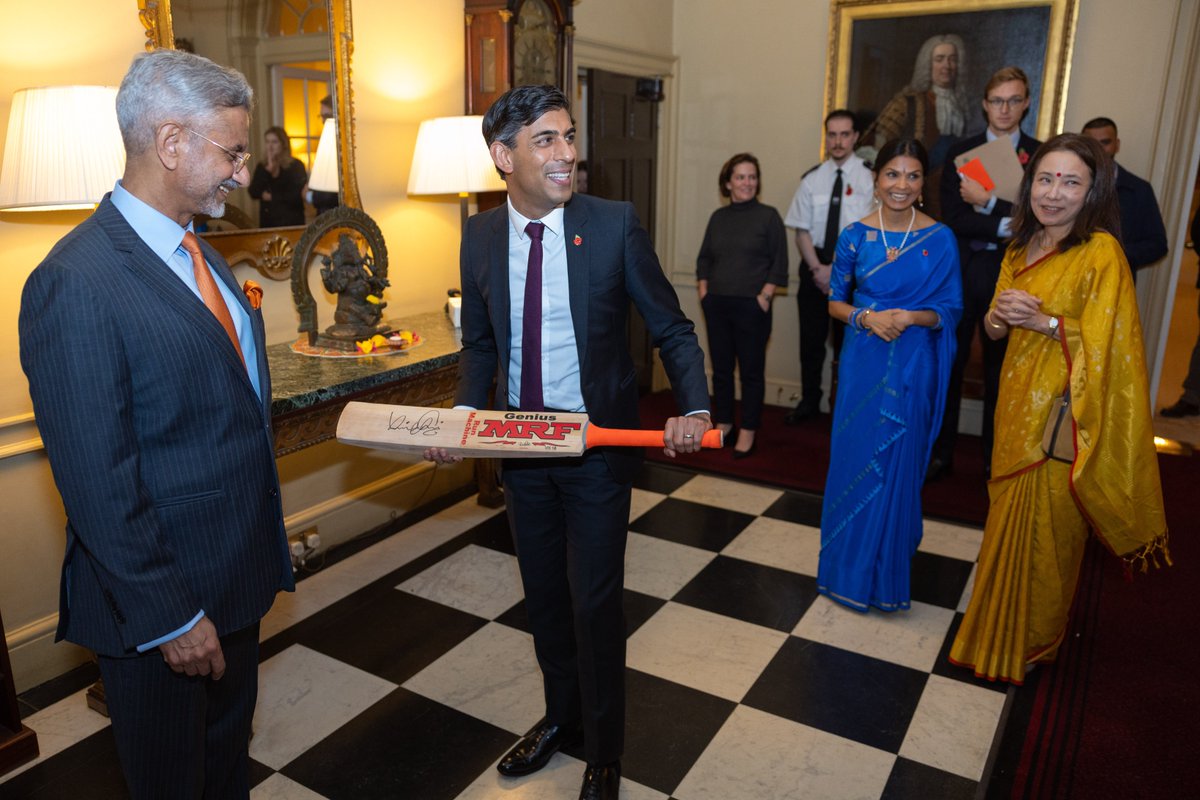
(531, 324)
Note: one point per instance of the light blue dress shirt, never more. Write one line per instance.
(560, 352)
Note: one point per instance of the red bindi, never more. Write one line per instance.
(1058, 174)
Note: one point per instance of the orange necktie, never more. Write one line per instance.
(209, 292)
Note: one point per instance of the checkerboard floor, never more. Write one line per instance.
(407, 669)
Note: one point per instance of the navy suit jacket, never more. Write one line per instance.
(961, 217)
(610, 262)
(159, 446)
(1143, 235)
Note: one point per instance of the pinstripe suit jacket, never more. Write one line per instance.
(610, 262)
(159, 446)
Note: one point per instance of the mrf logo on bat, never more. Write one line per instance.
(538, 430)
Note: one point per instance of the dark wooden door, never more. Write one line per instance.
(623, 165)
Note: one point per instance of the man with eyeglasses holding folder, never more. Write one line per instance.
(148, 373)
(982, 223)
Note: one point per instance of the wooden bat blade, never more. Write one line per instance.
(486, 434)
(472, 434)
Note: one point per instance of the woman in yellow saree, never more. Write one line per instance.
(1065, 297)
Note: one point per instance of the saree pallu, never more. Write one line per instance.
(1041, 510)
(888, 411)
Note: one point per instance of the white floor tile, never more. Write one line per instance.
(478, 580)
(319, 591)
(59, 726)
(491, 675)
(661, 568)
(778, 543)
(953, 727)
(911, 638)
(303, 696)
(277, 787)
(967, 590)
(954, 541)
(713, 653)
(758, 756)
(642, 501)
(731, 495)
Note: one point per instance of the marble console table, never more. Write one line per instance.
(309, 393)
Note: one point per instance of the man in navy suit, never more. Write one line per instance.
(547, 280)
(1143, 235)
(981, 221)
(148, 373)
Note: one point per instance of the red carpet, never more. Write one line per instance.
(1115, 716)
(797, 457)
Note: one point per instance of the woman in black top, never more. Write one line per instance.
(742, 261)
(278, 183)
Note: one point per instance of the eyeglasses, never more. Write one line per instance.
(239, 159)
(1000, 102)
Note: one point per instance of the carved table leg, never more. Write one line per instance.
(490, 493)
(18, 743)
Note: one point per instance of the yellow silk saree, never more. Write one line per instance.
(1041, 510)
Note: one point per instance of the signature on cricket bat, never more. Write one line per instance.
(428, 424)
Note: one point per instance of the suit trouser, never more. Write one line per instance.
(738, 330)
(980, 271)
(814, 331)
(183, 736)
(569, 520)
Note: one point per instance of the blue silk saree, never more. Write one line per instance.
(888, 412)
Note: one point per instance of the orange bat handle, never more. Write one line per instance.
(595, 436)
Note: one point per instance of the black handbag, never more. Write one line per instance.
(1058, 441)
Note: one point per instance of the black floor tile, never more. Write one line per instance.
(911, 780)
(840, 692)
(88, 770)
(799, 507)
(762, 595)
(939, 580)
(667, 727)
(661, 478)
(403, 746)
(945, 669)
(258, 773)
(47, 694)
(493, 533)
(25, 709)
(638, 608)
(692, 524)
(393, 635)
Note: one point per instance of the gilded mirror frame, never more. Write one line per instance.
(270, 250)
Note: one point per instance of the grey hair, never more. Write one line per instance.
(171, 85)
(922, 78)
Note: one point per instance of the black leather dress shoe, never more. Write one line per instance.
(535, 748)
(1181, 409)
(601, 782)
(739, 454)
(803, 410)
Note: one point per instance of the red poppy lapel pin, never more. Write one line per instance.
(578, 240)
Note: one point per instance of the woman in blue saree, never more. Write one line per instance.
(896, 284)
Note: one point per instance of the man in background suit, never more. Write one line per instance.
(148, 373)
(1143, 235)
(982, 222)
(546, 284)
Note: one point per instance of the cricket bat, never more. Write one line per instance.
(487, 434)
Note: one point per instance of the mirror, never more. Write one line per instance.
(294, 53)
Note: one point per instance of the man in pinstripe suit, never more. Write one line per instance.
(154, 406)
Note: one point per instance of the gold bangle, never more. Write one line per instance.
(988, 317)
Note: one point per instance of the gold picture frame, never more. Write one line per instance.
(873, 45)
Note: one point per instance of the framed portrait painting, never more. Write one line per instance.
(920, 66)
